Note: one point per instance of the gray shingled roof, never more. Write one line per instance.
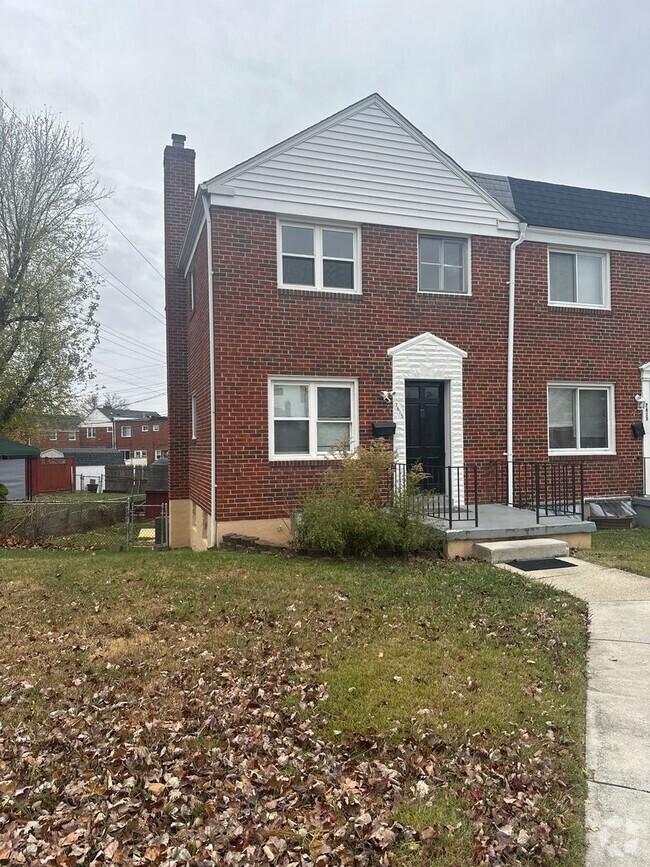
(95, 457)
(560, 207)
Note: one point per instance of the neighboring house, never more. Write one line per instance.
(16, 468)
(56, 431)
(90, 464)
(355, 274)
(142, 436)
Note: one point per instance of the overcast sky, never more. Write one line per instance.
(541, 89)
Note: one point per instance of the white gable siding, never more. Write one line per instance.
(365, 167)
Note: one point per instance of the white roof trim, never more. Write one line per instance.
(427, 337)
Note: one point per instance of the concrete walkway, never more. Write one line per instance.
(618, 710)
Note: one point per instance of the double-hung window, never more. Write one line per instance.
(125, 430)
(580, 418)
(72, 435)
(140, 453)
(443, 265)
(145, 428)
(53, 436)
(324, 258)
(90, 433)
(578, 279)
(312, 418)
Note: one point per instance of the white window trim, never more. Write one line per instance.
(72, 436)
(611, 428)
(160, 453)
(89, 435)
(193, 415)
(140, 454)
(145, 428)
(126, 454)
(468, 264)
(604, 254)
(335, 381)
(54, 435)
(123, 428)
(155, 427)
(318, 226)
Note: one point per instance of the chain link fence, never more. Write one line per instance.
(85, 522)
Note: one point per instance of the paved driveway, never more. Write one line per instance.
(618, 710)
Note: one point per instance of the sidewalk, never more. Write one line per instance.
(618, 710)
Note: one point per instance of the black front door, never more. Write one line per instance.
(425, 430)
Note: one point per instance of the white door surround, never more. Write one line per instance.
(429, 357)
(645, 394)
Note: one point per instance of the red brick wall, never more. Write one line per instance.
(178, 167)
(148, 440)
(263, 331)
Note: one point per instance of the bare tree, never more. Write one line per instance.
(48, 295)
(95, 400)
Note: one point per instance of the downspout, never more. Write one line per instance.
(511, 364)
(212, 538)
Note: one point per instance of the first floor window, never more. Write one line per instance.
(319, 257)
(90, 433)
(577, 278)
(443, 265)
(125, 430)
(53, 436)
(72, 435)
(140, 453)
(161, 453)
(580, 418)
(126, 454)
(310, 419)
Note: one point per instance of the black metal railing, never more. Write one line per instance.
(446, 493)
(548, 488)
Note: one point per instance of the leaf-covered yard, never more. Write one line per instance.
(243, 709)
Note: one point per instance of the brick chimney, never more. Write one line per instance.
(178, 164)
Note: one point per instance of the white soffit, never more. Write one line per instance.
(365, 163)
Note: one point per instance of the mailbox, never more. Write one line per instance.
(383, 429)
(638, 429)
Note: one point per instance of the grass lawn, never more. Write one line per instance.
(623, 549)
(240, 709)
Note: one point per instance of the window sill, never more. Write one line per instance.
(320, 459)
(317, 290)
(579, 453)
(565, 305)
(433, 293)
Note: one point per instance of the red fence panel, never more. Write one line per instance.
(53, 475)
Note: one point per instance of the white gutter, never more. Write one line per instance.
(511, 364)
(212, 538)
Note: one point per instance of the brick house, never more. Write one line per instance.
(355, 275)
(142, 436)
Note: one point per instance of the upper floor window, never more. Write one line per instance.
(72, 435)
(579, 279)
(580, 418)
(53, 436)
(155, 427)
(125, 430)
(443, 265)
(319, 257)
(310, 418)
(145, 428)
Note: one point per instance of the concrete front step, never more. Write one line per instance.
(520, 549)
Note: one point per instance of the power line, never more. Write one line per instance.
(139, 367)
(137, 249)
(151, 397)
(125, 348)
(124, 336)
(126, 286)
(155, 316)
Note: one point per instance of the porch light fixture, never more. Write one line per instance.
(387, 396)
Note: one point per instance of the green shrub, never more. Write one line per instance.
(356, 511)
